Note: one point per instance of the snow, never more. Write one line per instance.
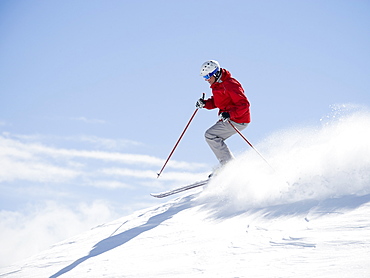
(309, 217)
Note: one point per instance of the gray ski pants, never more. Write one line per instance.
(216, 136)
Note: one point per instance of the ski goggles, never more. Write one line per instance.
(209, 75)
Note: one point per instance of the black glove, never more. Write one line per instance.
(224, 116)
(200, 103)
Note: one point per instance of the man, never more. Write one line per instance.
(228, 96)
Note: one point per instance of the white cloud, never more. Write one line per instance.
(19, 149)
(19, 162)
(32, 170)
(109, 184)
(93, 141)
(129, 173)
(37, 162)
(36, 228)
(89, 121)
(110, 144)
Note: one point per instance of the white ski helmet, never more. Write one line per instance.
(209, 68)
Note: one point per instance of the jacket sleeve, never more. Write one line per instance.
(210, 103)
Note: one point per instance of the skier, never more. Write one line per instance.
(228, 96)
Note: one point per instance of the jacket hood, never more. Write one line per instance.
(225, 74)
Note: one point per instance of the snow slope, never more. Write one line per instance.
(307, 218)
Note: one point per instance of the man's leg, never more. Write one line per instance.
(217, 134)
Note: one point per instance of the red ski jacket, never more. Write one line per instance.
(228, 96)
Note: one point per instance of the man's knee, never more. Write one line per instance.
(208, 136)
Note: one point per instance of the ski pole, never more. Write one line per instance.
(250, 144)
(178, 141)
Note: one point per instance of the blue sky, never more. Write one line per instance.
(95, 94)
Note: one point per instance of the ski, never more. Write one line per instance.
(180, 189)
